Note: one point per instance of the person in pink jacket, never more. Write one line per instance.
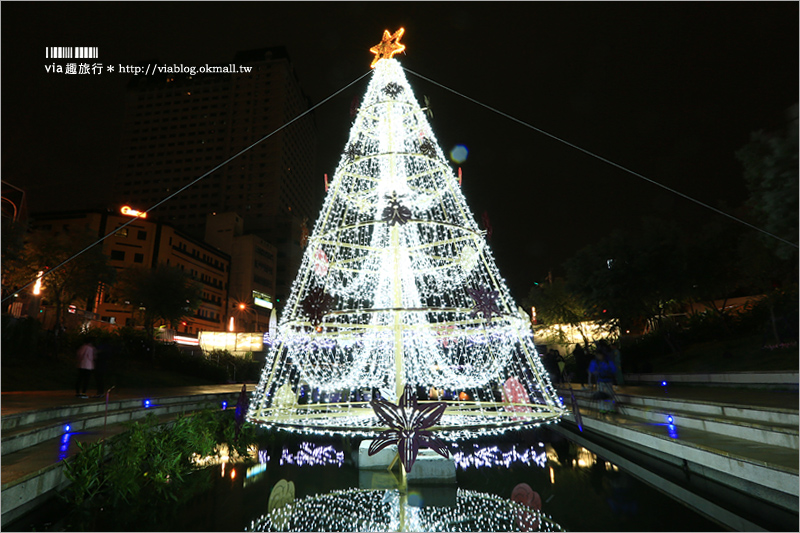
(85, 360)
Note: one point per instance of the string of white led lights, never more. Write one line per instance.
(387, 510)
(386, 292)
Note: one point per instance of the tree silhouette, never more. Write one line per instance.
(165, 293)
(75, 281)
(770, 169)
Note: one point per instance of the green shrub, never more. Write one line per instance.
(125, 481)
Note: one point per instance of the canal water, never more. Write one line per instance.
(578, 490)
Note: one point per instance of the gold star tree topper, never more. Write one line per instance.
(388, 47)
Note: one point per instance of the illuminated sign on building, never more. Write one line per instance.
(262, 300)
(131, 212)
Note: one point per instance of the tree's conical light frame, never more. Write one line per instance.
(411, 294)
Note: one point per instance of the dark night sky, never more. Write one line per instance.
(670, 90)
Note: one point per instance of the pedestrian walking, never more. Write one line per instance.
(617, 358)
(550, 361)
(562, 364)
(581, 364)
(85, 363)
(602, 369)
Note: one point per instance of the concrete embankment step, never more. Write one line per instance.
(749, 448)
(777, 380)
(27, 429)
(36, 443)
(774, 426)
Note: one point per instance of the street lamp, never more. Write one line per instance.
(37, 287)
(242, 308)
(247, 310)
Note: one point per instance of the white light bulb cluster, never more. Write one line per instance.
(386, 510)
(312, 455)
(397, 251)
(489, 456)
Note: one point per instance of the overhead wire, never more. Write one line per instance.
(206, 174)
(490, 108)
(603, 159)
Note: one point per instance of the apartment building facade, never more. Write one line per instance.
(148, 244)
(177, 127)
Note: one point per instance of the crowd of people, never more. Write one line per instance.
(602, 368)
(602, 365)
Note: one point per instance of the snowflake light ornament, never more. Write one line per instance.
(409, 427)
(395, 212)
(485, 302)
(316, 304)
(353, 150)
(427, 148)
(362, 203)
(392, 89)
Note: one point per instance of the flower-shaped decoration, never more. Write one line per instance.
(525, 495)
(427, 148)
(485, 302)
(395, 212)
(514, 393)
(409, 427)
(445, 334)
(282, 495)
(321, 262)
(353, 150)
(316, 304)
(393, 89)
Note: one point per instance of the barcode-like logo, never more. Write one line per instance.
(71, 52)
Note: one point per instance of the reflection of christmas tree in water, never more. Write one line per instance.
(386, 510)
(397, 286)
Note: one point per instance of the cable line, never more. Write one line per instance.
(132, 220)
(601, 158)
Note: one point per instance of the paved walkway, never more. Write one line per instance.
(20, 401)
(726, 395)
(15, 402)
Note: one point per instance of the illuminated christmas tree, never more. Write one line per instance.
(398, 287)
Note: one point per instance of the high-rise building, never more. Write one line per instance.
(178, 126)
(252, 273)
